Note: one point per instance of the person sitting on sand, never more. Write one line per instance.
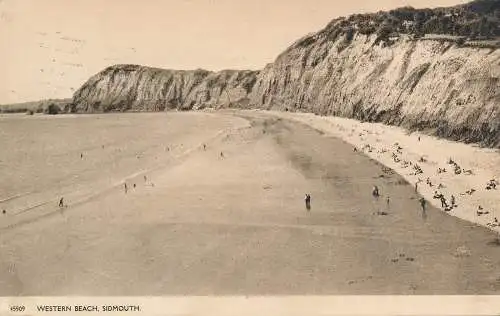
(375, 191)
(480, 211)
(429, 182)
(441, 170)
(467, 171)
(491, 185)
(469, 192)
(4, 212)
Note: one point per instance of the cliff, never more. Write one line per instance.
(138, 88)
(383, 67)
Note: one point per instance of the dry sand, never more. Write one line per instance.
(203, 224)
(483, 162)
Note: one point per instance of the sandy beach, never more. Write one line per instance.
(383, 140)
(227, 218)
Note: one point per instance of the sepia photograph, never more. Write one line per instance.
(295, 149)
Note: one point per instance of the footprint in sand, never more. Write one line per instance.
(402, 256)
(361, 280)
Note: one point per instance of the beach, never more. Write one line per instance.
(214, 205)
(483, 162)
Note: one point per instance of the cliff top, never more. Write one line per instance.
(476, 20)
(134, 67)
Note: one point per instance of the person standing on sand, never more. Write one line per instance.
(308, 202)
(422, 203)
(125, 188)
(443, 201)
(61, 202)
(388, 201)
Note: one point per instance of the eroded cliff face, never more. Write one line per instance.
(138, 88)
(449, 89)
(419, 84)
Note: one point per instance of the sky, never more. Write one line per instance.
(49, 48)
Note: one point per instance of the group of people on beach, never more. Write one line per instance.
(376, 195)
(458, 170)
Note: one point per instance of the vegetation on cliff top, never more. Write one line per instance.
(477, 20)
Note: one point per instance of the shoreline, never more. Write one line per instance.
(383, 141)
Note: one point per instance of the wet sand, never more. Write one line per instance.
(470, 189)
(202, 224)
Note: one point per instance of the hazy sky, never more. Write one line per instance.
(48, 48)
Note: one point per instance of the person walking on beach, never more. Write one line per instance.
(308, 202)
(61, 202)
